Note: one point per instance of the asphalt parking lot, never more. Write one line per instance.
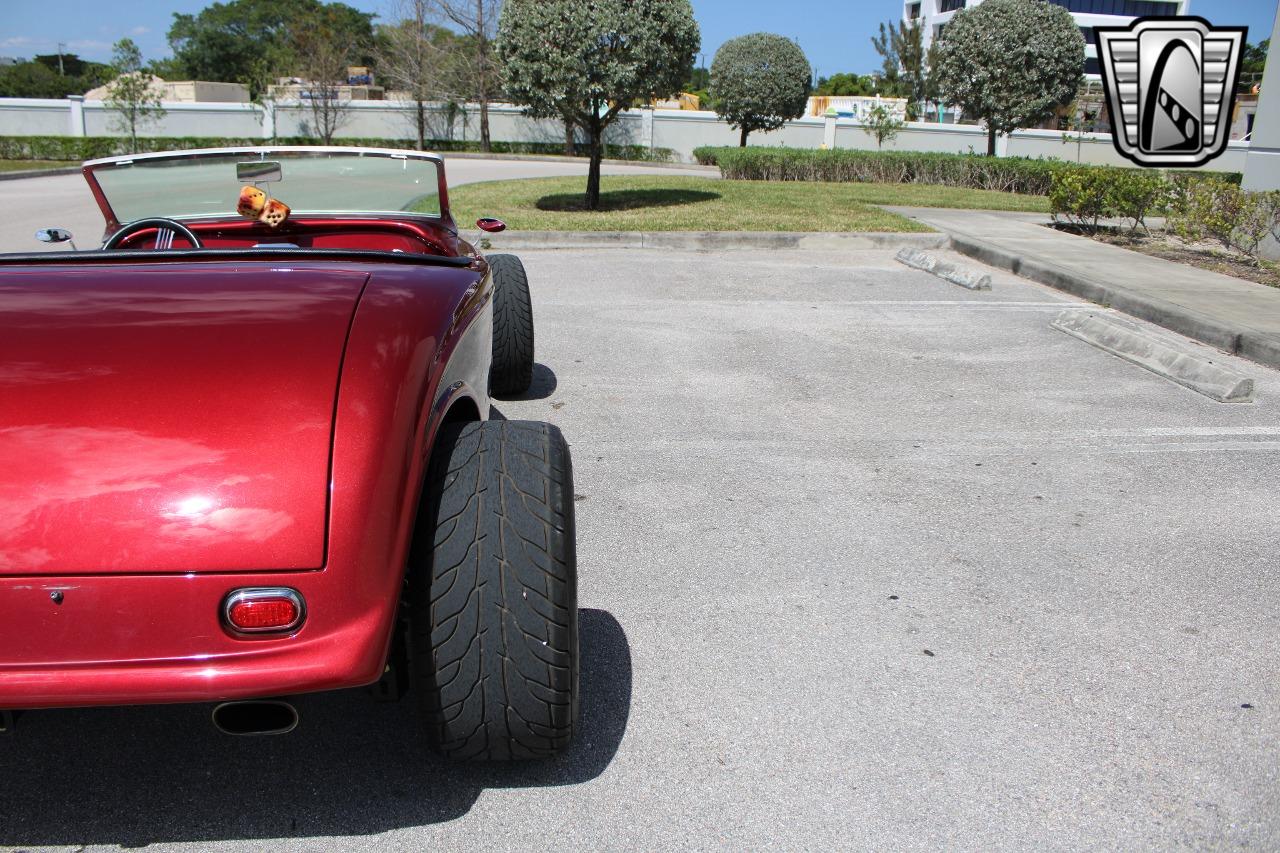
(868, 561)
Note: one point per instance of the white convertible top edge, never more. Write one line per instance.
(263, 150)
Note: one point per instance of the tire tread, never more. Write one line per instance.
(493, 606)
(511, 371)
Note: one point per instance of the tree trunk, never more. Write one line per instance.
(422, 125)
(569, 148)
(991, 141)
(593, 173)
(482, 53)
(742, 141)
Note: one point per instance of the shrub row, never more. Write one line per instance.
(1207, 209)
(1199, 206)
(77, 148)
(1008, 174)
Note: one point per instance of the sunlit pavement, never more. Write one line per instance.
(867, 562)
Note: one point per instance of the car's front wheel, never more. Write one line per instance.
(493, 601)
(511, 371)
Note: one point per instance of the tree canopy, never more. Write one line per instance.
(1254, 59)
(584, 61)
(759, 82)
(845, 84)
(906, 64)
(252, 41)
(1010, 63)
(40, 78)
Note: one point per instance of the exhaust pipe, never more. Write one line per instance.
(255, 717)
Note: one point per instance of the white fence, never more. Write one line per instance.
(680, 131)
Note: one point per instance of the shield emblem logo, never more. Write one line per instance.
(1170, 85)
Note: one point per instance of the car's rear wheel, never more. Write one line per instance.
(493, 611)
(512, 369)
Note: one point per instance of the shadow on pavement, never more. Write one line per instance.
(543, 385)
(144, 775)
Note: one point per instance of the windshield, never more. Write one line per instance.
(190, 184)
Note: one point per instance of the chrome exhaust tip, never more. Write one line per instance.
(255, 717)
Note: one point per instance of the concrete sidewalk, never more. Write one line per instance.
(1237, 316)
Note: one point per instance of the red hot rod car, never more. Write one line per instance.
(246, 458)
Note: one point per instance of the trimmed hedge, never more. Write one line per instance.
(1007, 174)
(1199, 206)
(77, 148)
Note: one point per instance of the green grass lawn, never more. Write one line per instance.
(675, 203)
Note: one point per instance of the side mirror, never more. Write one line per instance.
(493, 226)
(55, 235)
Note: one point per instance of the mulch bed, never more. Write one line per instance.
(1202, 255)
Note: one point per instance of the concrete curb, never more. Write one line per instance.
(554, 158)
(964, 276)
(1160, 354)
(38, 173)
(1256, 346)
(712, 240)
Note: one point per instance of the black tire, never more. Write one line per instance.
(493, 609)
(511, 371)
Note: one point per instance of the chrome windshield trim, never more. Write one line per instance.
(263, 151)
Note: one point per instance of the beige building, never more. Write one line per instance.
(185, 91)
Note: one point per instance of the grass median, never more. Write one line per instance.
(676, 203)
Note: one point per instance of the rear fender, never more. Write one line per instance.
(421, 344)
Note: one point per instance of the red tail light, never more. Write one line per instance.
(274, 610)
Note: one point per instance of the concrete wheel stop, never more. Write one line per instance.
(964, 276)
(1176, 360)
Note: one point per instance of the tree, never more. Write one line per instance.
(905, 64)
(1253, 60)
(845, 84)
(323, 57)
(759, 82)
(413, 57)
(254, 41)
(591, 59)
(699, 84)
(883, 123)
(1011, 63)
(477, 21)
(40, 78)
(131, 94)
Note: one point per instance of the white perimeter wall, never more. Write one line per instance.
(681, 131)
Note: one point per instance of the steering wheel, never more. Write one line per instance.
(164, 238)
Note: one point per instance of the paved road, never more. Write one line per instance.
(868, 562)
(65, 201)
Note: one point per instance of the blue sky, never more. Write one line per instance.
(835, 35)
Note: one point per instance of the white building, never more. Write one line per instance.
(933, 16)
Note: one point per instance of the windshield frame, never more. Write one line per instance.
(89, 167)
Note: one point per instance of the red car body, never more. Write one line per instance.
(177, 425)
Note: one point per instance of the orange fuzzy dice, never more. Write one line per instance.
(274, 213)
(252, 201)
